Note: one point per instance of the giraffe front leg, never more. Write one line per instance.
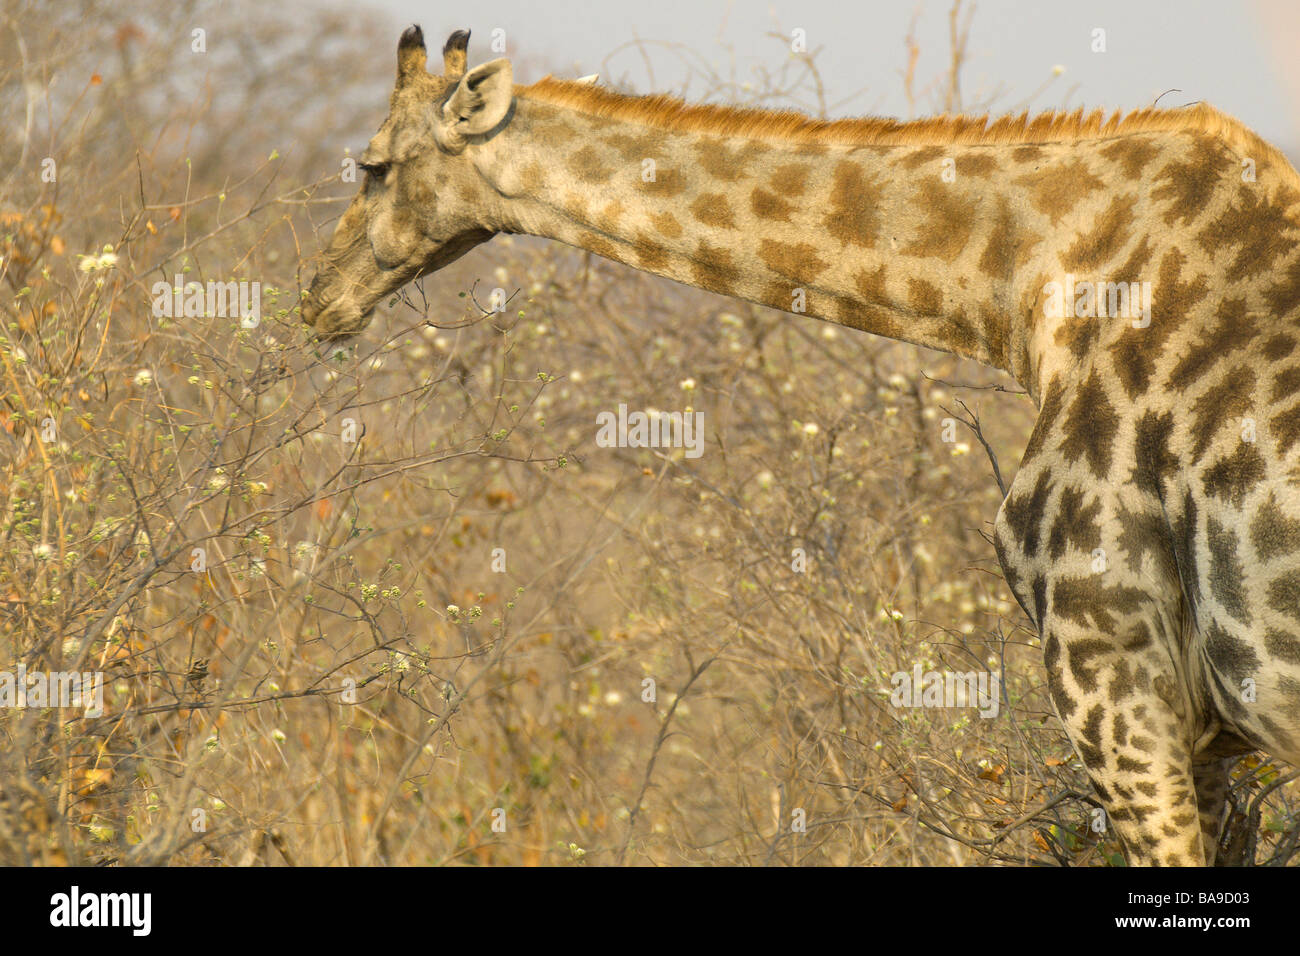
(1211, 798)
(1116, 695)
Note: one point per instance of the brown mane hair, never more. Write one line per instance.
(669, 112)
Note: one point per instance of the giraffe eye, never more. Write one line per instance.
(377, 170)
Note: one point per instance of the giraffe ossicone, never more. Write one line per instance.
(1167, 441)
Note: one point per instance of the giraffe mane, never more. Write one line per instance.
(1053, 126)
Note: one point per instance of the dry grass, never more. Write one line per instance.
(310, 696)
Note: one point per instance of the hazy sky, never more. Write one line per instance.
(1239, 56)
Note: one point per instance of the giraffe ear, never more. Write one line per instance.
(480, 100)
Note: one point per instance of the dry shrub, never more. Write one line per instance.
(396, 605)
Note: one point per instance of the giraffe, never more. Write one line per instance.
(1138, 275)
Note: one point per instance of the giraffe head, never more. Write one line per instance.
(416, 210)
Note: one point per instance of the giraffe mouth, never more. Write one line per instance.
(338, 319)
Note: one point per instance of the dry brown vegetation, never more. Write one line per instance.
(331, 564)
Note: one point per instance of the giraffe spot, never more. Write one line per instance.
(1227, 575)
(1133, 366)
(1273, 532)
(607, 219)
(1284, 297)
(1039, 591)
(712, 268)
(713, 209)
(1260, 230)
(961, 335)
(1024, 514)
(1053, 402)
(1284, 596)
(633, 148)
(924, 297)
(857, 315)
(1007, 247)
(1188, 184)
(1234, 331)
(1090, 427)
(1232, 477)
(1286, 426)
(1090, 603)
(723, 162)
(1131, 765)
(766, 205)
(1090, 730)
(1059, 187)
(852, 218)
(666, 224)
(948, 221)
(533, 177)
(1132, 153)
(650, 254)
(1105, 239)
(1076, 525)
(1079, 336)
(1143, 535)
(779, 295)
(576, 207)
(1012, 577)
(1135, 639)
(1278, 347)
(1121, 682)
(1027, 154)
(1283, 646)
(668, 182)
(993, 331)
(599, 244)
(1137, 264)
(1222, 406)
(1183, 527)
(871, 285)
(1230, 655)
(1091, 756)
(1285, 384)
(554, 134)
(978, 165)
(1289, 688)
(1137, 351)
(797, 260)
(914, 160)
(790, 179)
(589, 166)
(1079, 654)
(1119, 728)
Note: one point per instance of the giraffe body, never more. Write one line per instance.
(1128, 273)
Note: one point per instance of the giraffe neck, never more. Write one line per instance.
(949, 246)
